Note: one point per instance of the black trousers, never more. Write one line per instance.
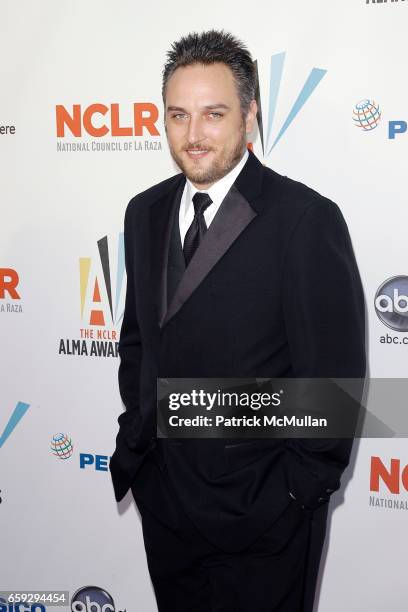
(276, 573)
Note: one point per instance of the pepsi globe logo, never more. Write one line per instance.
(61, 446)
(391, 303)
(92, 599)
(366, 114)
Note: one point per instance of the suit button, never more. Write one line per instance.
(329, 490)
(293, 497)
(322, 499)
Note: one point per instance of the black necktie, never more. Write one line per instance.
(198, 227)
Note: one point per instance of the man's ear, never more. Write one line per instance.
(251, 116)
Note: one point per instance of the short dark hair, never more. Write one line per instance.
(208, 48)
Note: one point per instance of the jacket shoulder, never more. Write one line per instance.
(144, 199)
(293, 194)
(298, 205)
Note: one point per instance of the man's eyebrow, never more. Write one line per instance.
(207, 107)
(210, 106)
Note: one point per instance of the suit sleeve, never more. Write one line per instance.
(130, 346)
(127, 457)
(324, 313)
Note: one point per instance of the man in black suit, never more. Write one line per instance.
(232, 271)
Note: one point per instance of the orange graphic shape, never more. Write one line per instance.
(97, 318)
(96, 293)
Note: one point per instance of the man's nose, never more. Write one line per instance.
(195, 130)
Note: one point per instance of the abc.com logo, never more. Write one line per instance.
(100, 120)
(92, 599)
(391, 303)
(394, 478)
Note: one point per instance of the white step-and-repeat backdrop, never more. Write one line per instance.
(81, 132)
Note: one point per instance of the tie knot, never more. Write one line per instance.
(201, 201)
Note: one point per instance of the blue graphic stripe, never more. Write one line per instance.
(277, 62)
(120, 318)
(120, 272)
(312, 82)
(18, 413)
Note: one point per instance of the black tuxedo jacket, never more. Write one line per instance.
(272, 291)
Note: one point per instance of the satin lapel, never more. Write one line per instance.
(161, 221)
(231, 219)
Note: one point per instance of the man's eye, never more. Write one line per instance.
(178, 116)
(216, 115)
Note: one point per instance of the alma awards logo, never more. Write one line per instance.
(101, 299)
(266, 120)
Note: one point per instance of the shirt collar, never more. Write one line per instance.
(220, 188)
